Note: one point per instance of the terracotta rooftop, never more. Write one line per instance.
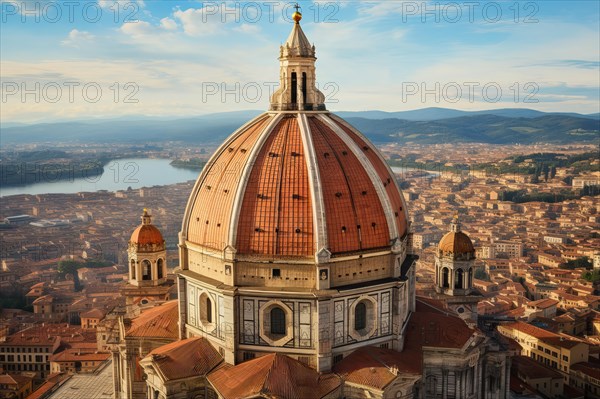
(44, 300)
(94, 314)
(14, 379)
(43, 390)
(530, 368)
(570, 392)
(74, 355)
(272, 375)
(433, 327)
(543, 303)
(157, 322)
(591, 369)
(561, 342)
(186, 358)
(519, 386)
(376, 367)
(47, 335)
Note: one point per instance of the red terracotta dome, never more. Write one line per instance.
(291, 184)
(147, 234)
(457, 243)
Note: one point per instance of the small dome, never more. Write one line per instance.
(456, 243)
(147, 235)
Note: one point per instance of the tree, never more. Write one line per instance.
(592, 276)
(68, 267)
(578, 263)
(480, 274)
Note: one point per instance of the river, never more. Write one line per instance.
(118, 175)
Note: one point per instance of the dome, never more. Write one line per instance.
(296, 181)
(147, 235)
(292, 184)
(457, 243)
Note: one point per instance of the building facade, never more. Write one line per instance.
(295, 280)
(294, 237)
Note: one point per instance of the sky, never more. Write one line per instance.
(78, 60)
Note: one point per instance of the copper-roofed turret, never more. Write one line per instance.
(456, 243)
(147, 237)
(147, 255)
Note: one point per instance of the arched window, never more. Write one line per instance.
(277, 321)
(294, 88)
(360, 316)
(304, 87)
(445, 278)
(470, 277)
(208, 310)
(132, 269)
(159, 268)
(458, 280)
(146, 270)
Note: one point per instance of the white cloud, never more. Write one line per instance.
(197, 21)
(138, 29)
(248, 28)
(168, 24)
(76, 38)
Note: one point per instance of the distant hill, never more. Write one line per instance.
(529, 126)
(482, 129)
(212, 128)
(434, 113)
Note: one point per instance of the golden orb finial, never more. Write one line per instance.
(297, 16)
